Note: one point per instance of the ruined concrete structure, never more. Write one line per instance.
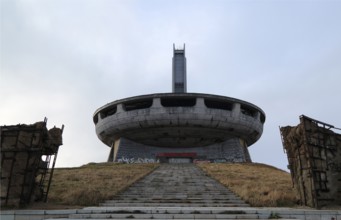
(179, 126)
(28, 156)
(314, 154)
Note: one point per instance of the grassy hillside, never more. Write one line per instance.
(94, 183)
(257, 184)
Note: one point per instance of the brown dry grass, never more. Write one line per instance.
(94, 183)
(258, 184)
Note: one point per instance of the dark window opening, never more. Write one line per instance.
(137, 104)
(109, 111)
(178, 102)
(95, 119)
(262, 118)
(218, 104)
(248, 111)
(179, 87)
(255, 134)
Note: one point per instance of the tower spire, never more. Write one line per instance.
(179, 82)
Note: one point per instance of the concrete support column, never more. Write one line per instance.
(236, 110)
(156, 103)
(98, 116)
(247, 156)
(113, 151)
(200, 106)
(200, 103)
(257, 116)
(120, 108)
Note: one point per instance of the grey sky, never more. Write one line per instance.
(64, 59)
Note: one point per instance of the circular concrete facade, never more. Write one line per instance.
(179, 120)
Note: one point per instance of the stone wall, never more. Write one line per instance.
(26, 151)
(314, 155)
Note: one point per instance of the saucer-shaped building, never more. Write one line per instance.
(179, 126)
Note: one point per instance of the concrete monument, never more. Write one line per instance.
(179, 126)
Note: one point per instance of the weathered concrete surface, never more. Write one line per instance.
(232, 150)
(179, 120)
(181, 124)
(314, 154)
(23, 169)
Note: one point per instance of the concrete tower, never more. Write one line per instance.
(179, 70)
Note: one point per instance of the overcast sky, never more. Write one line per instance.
(63, 59)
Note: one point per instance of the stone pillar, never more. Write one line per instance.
(120, 108)
(156, 103)
(113, 151)
(236, 110)
(200, 103)
(98, 117)
(257, 116)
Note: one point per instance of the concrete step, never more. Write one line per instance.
(178, 212)
(174, 201)
(182, 195)
(177, 196)
(191, 193)
(166, 216)
(173, 205)
(168, 213)
(201, 213)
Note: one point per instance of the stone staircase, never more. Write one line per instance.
(176, 185)
(174, 191)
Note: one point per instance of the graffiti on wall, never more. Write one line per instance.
(137, 160)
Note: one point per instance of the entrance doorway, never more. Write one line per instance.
(179, 160)
(176, 157)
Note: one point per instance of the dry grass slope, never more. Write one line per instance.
(94, 183)
(258, 184)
